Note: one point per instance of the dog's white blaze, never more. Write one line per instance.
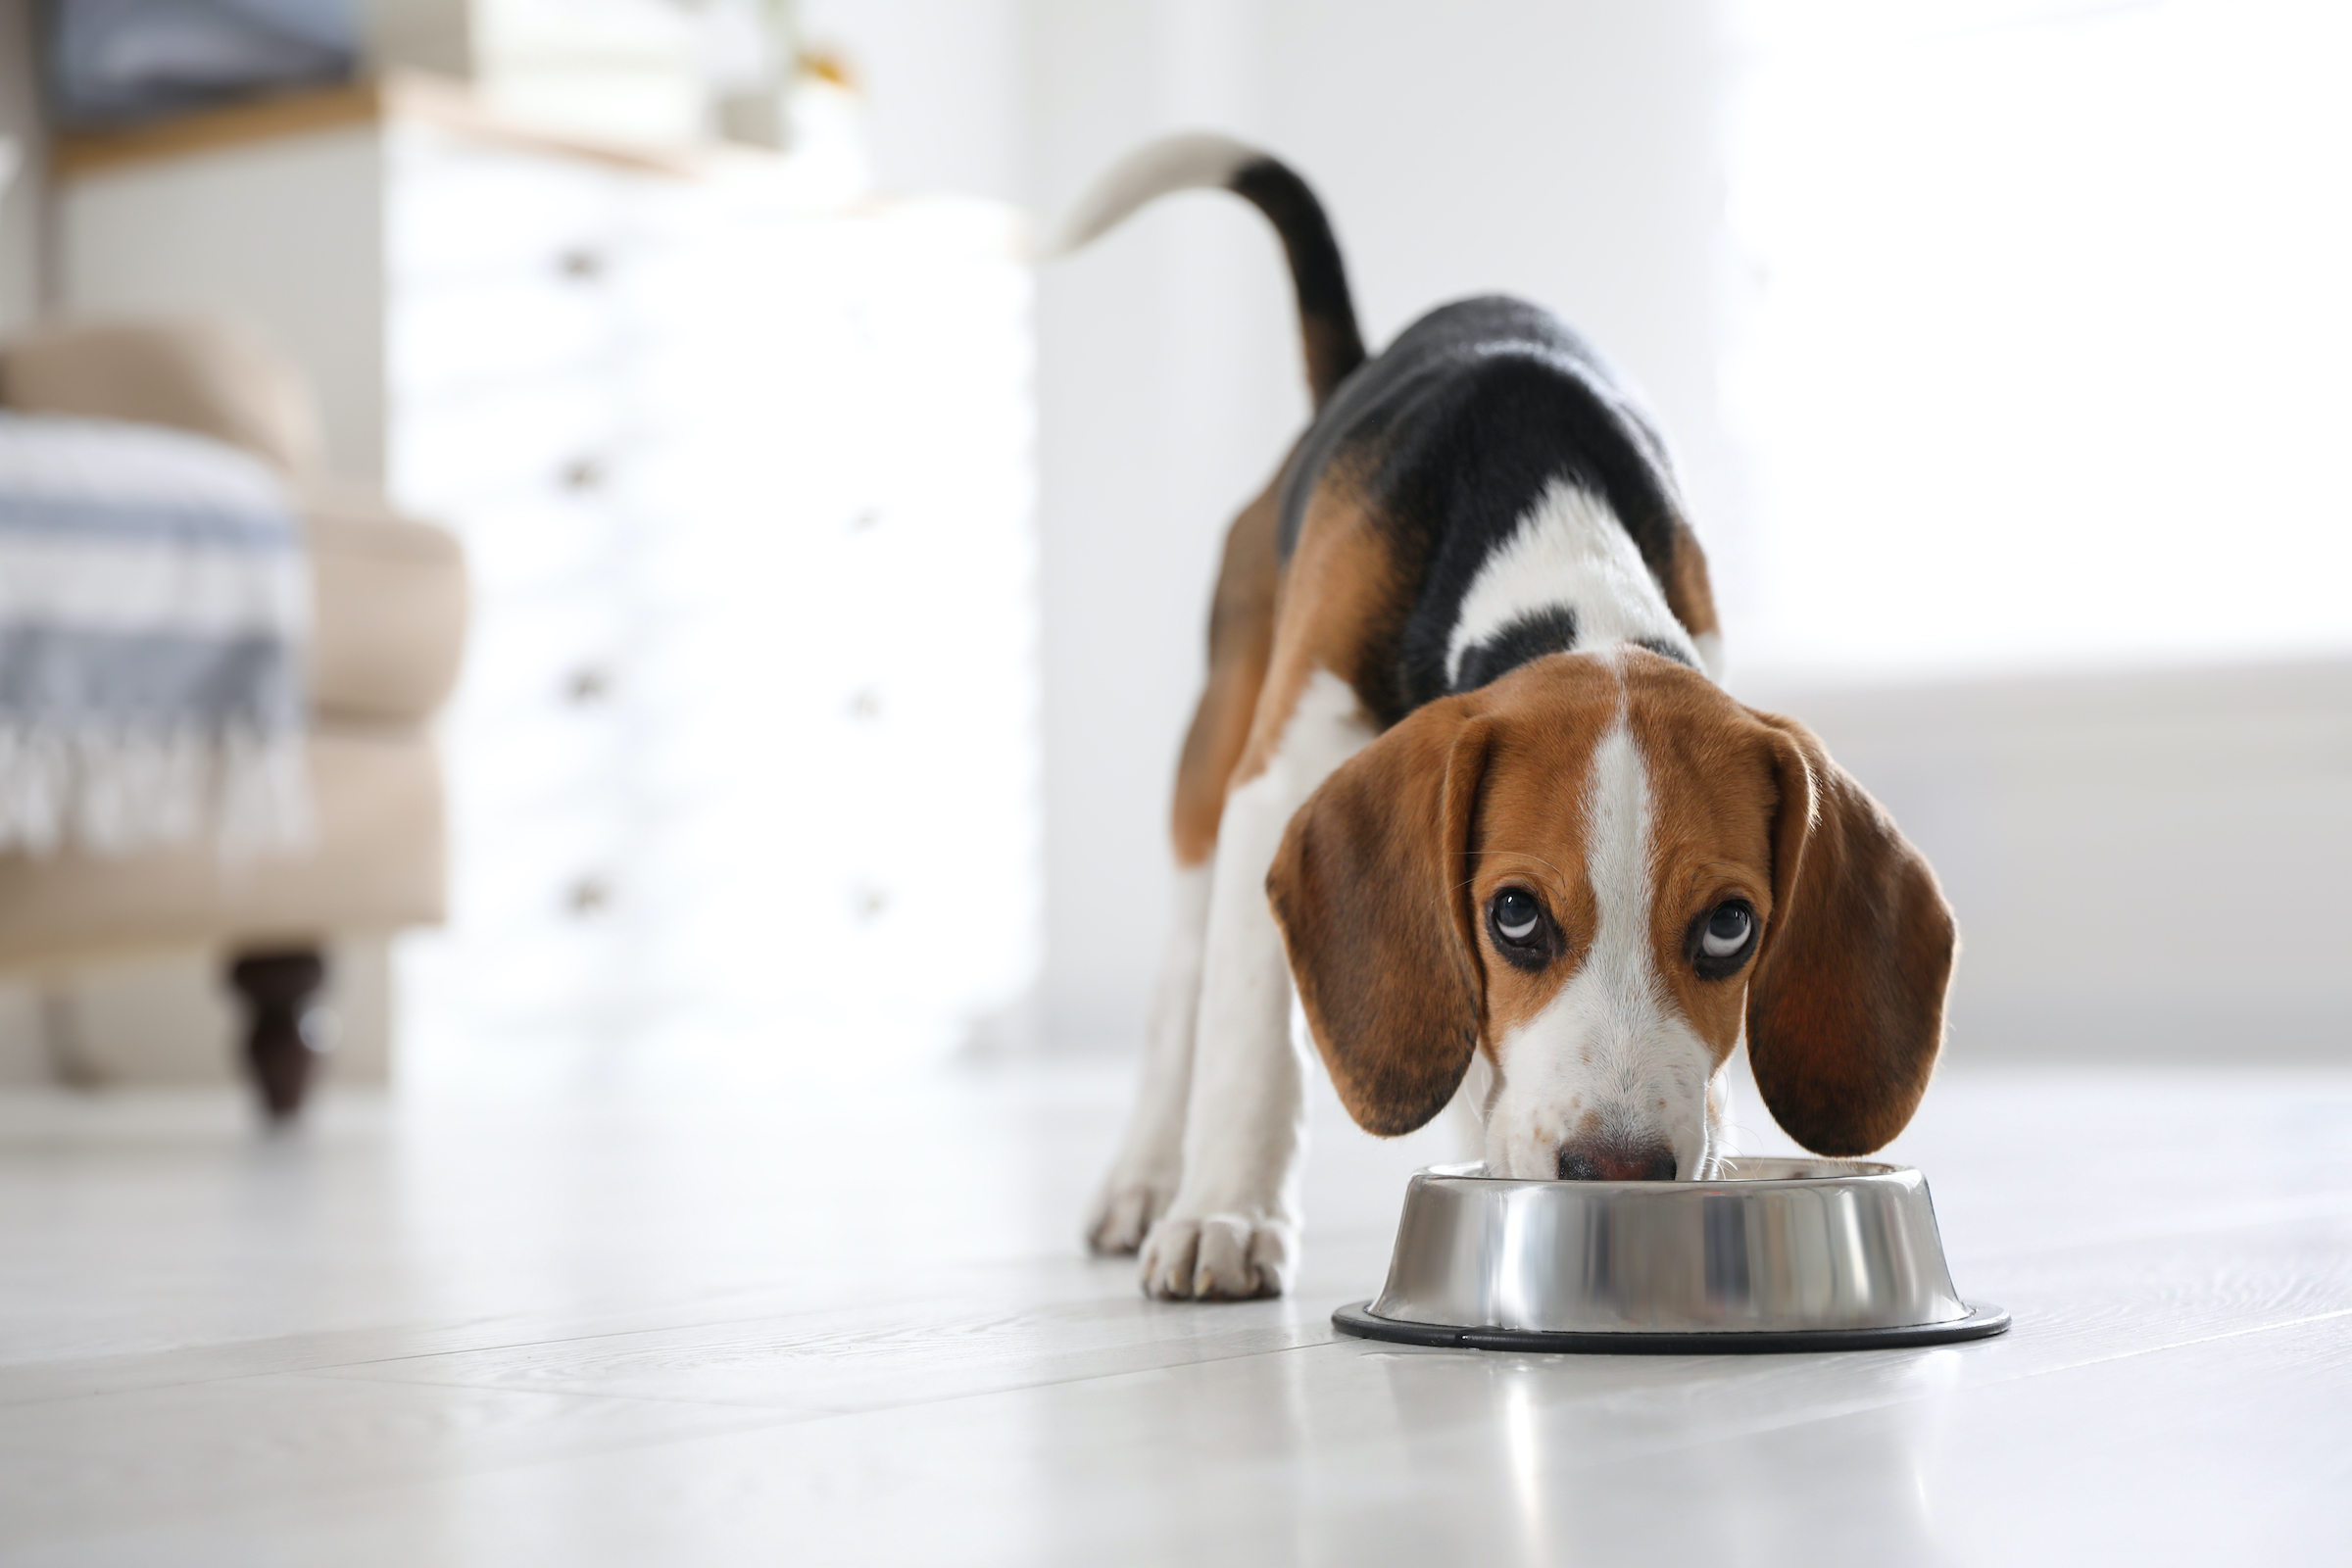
(1569, 551)
(1613, 1043)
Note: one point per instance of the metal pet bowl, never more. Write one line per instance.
(1771, 1255)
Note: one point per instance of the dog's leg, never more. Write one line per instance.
(1143, 1179)
(1233, 1229)
(1240, 639)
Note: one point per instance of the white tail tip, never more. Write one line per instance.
(1198, 160)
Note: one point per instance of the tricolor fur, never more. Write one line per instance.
(1461, 775)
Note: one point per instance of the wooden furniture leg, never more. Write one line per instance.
(278, 987)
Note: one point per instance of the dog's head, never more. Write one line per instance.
(1597, 870)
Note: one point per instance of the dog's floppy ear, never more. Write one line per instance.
(1846, 1008)
(1371, 891)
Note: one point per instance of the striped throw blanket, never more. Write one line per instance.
(154, 620)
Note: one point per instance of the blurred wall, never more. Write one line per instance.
(2147, 867)
(21, 236)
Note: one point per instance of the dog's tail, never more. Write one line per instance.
(1204, 161)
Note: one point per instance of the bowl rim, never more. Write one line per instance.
(1852, 1172)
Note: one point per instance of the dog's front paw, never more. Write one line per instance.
(1124, 1212)
(1219, 1258)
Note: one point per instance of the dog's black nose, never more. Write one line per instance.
(1594, 1159)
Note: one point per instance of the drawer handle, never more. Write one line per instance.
(590, 683)
(584, 474)
(582, 263)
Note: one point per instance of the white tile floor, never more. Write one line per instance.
(852, 1326)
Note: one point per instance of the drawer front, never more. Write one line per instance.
(460, 212)
(559, 435)
(462, 340)
(528, 664)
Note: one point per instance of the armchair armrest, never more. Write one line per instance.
(208, 374)
(392, 609)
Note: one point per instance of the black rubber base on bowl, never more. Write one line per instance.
(1983, 1322)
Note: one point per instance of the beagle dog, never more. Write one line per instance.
(1461, 761)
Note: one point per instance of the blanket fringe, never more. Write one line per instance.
(127, 790)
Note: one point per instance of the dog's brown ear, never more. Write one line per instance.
(1845, 1008)
(1371, 891)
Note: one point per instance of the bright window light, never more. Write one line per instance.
(2047, 360)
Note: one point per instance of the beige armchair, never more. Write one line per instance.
(389, 632)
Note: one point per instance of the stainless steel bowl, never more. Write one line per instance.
(1771, 1255)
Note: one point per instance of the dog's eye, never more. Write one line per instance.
(1721, 939)
(1516, 916)
(1727, 930)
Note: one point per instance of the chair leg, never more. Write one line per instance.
(278, 987)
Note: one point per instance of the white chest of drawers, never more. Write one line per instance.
(744, 766)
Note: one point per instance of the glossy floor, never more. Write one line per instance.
(851, 1325)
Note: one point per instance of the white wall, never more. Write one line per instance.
(2044, 344)
(1169, 386)
(321, 301)
(2146, 866)
(946, 77)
